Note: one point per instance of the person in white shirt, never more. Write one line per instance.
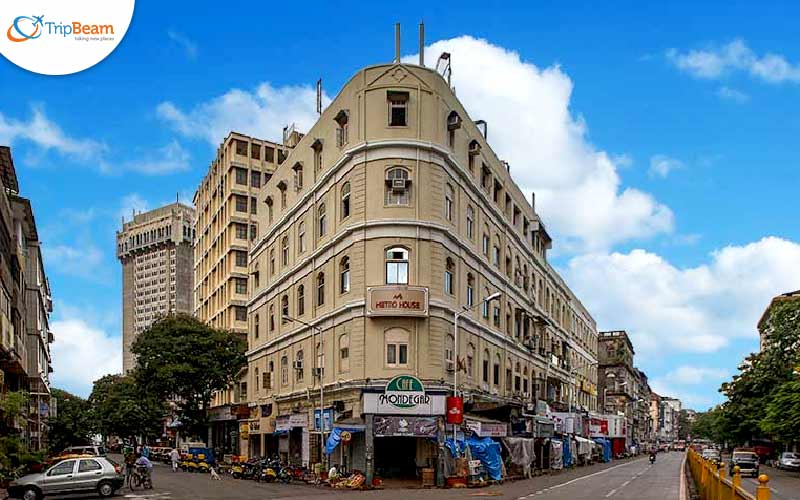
(174, 457)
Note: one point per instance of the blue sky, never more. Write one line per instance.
(670, 180)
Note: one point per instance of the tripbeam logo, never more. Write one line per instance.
(57, 38)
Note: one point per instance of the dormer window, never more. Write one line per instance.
(298, 176)
(398, 186)
(453, 124)
(282, 187)
(341, 118)
(398, 108)
(473, 152)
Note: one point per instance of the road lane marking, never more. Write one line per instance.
(611, 493)
(683, 480)
(560, 485)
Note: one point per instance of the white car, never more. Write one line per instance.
(710, 454)
(789, 461)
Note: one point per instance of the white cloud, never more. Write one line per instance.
(262, 113)
(166, 160)
(695, 375)
(84, 261)
(578, 188)
(716, 62)
(662, 165)
(730, 94)
(189, 46)
(667, 309)
(46, 134)
(82, 353)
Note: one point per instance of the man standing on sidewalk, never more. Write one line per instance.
(174, 456)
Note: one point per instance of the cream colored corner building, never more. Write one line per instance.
(387, 217)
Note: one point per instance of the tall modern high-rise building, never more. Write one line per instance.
(155, 249)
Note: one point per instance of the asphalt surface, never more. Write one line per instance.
(784, 485)
(626, 479)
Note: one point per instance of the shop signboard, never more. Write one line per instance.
(287, 422)
(404, 395)
(255, 427)
(328, 420)
(394, 300)
(616, 426)
(405, 426)
(244, 430)
(455, 410)
(487, 429)
(568, 423)
(598, 427)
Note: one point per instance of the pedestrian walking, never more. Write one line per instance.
(174, 456)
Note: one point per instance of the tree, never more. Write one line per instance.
(782, 418)
(710, 425)
(121, 407)
(73, 422)
(13, 453)
(180, 358)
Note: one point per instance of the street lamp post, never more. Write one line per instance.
(464, 309)
(320, 356)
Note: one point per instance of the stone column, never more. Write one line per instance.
(369, 452)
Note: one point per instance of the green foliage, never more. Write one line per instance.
(710, 425)
(782, 418)
(122, 407)
(12, 406)
(181, 358)
(73, 422)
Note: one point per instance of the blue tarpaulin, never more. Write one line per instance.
(484, 449)
(567, 455)
(606, 444)
(336, 437)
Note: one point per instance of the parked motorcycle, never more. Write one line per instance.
(268, 471)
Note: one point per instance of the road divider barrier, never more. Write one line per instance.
(709, 477)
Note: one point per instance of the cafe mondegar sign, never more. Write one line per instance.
(404, 395)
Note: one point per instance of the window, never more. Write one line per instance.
(285, 251)
(255, 326)
(341, 119)
(496, 256)
(344, 275)
(397, 187)
(321, 219)
(282, 188)
(301, 300)
(253, 205)
(470, 290)
(267, 381)
(89, 466)
(241, 285)
(346, 200)
(496, 316)
(449, 272)
(453, 124)
(301, 237)
(240, 313)
(344, 353)
(255, 151)
(255, 179)
(470, 360)
(241, 176)
(473, 152)
(284, 370)
(396, 340)
(485, 304)
(241, 231)
(270, 211)
(284, 308)
(241, 148)
(470, 222)
(241, 203)
(271, 318)
(271, 261)
(298, 176)
(320, 289)
(485, 244)
(241, 258)
(486, 177)
(299, 368)
(448, 202)
(486, 366)
(318, 160)
(398, 102)
(397, 266)
(449, 350)
(269, 154)
(496, 370)
(62, 469)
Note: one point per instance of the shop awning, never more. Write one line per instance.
(336, 437)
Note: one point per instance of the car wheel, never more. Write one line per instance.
(31, 493)
(105, 489)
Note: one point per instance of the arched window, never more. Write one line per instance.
(298, 366)
(453, 124)
(320, 289)
(270, 376)
(298, 176)
(285, 251)
(301, 300)
(517, 378)
(256, 379)
(396, 345)
(321, 222)
(473, 152)
(449, 275)
(470, 360)
(271, 261)
(449, 205)
(470, 222)
(301, 237)
(470, 290)
(398, 187)
(397, 266)
(485, 361)
(485, 243)
(282, 188)
(449, 353)
(344, 352)
(284, 308)
(346, 200)
(255, 326)
(284, 370)
(525, 386)
(485, 304)
(320, 360)
(496, 370)
(344, 275)
(270, 211)
(271, 318)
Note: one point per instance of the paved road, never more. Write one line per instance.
(784, 485)
(629, 479)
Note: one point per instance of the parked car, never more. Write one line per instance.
(788, 461)
(747, 461)
(74, 475)
(711, 454)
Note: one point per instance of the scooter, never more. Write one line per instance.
(652, 458)
(268, 472)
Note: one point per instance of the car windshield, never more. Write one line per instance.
(744, 456)
(789, 454)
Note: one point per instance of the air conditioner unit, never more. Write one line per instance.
(297, 365)
(316, 372)
(450, 367)
(398, 184)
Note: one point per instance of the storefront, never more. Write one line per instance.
(224, 428)
(404, 424)
(293, 438)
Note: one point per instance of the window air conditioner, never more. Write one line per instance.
(298, 365)
(398, 184)
(450, 366)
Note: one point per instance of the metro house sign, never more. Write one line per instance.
(397, 301)
(404, 391)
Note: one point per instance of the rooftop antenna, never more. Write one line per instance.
(422, 44)
(397, 43)
(443, 66)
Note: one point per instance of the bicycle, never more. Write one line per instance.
(140, 477)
